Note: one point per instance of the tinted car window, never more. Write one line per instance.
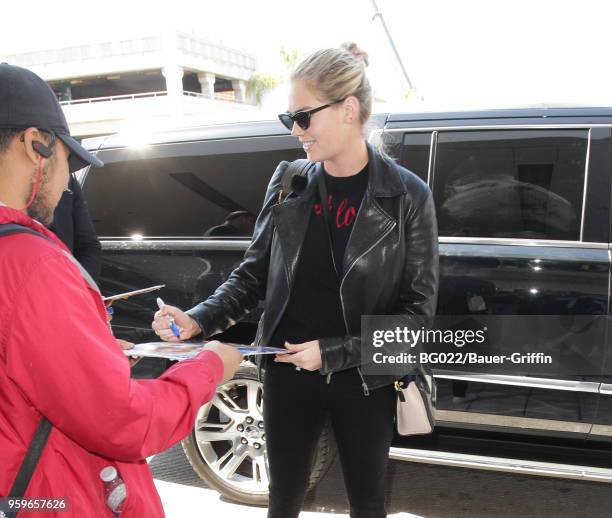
(390, 142)
(195, 196)
(510, 184)
(415, 153)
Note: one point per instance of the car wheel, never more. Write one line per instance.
(227, 446)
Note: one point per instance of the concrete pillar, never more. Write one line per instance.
(174, 87)
(174, 80)
(239, 87)
(64, 92)
(207, 84)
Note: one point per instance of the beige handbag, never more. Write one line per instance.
(414, 405)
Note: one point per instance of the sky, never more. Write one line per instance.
(458, 54)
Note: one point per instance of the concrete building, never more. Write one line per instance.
(149, 81)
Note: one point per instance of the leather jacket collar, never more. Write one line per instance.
(291, 216)
(384, 180)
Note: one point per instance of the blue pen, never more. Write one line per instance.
(173, 326)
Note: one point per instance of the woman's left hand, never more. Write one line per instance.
(305, 356)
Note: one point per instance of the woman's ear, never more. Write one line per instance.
(351, 109)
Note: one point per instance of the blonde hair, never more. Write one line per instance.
(335, 74)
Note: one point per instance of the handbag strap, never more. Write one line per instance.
(37, 445)
(420, 376)
(325, 209)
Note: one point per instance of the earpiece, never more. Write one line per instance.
(41, 149)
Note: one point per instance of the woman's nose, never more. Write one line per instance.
(296, 131)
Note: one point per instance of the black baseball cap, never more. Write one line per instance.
(26, 101)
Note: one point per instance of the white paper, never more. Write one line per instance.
(186, 350)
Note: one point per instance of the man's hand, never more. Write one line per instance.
(125, 345)
(305, 356)
(188, 327)
(230, 356)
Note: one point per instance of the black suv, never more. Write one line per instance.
(523, 204)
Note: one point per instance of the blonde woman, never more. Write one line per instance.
(374, 253)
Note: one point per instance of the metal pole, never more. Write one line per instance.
(378, 14)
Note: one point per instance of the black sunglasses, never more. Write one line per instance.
(302, 118)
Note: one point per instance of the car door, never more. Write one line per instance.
(520, 222)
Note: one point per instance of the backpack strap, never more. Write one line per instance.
(12, 228)
(32, 456)
(294, 177)
(7, 229)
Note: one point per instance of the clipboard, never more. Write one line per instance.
(109, 300)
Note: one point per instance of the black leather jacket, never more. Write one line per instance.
(391, 262)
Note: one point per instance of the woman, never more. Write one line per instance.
(377, 255)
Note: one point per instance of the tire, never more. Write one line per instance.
(216, 450)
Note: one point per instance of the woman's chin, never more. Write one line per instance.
(312, 155)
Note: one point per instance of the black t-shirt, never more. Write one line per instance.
(344, 199)
(314, 309)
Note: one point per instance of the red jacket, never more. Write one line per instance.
(59, 359)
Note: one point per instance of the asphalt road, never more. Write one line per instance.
(414, 490)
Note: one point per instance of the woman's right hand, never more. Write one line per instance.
(188, 327)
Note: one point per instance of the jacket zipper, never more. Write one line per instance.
(364, 385)
(366, 390)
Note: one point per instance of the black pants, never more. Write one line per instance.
(296, 404)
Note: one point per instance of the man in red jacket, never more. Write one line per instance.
(58, 358)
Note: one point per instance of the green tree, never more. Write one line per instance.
(258, 85)
(291, 57)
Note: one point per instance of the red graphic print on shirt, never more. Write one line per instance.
(345, 214)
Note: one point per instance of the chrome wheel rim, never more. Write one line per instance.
(229, 434)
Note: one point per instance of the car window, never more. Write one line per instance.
(510, 183)
(415, 153)
(187, 196)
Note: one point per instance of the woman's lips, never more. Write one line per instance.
(307, 144)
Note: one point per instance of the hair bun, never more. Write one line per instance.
(351, 47)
